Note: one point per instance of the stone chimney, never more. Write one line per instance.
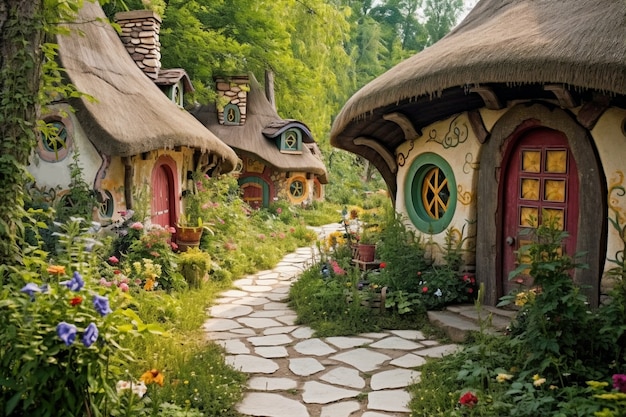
(232, 98)
(140, 35)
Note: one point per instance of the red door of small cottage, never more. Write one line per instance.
(540, 184)
(162, 196)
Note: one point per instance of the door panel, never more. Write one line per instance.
(161, 197)
(541, 184)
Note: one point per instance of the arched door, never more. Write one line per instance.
(540, 186)
(163, 209)
(255, 192)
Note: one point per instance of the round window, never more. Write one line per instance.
(430, 193)
(55, 143)
(298, 190)
(107, 205)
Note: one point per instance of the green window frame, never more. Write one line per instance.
(291, 141)
(430, 193)
(232, 114)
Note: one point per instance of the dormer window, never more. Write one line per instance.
(290, 141)
(232, 114)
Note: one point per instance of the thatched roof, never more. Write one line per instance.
(254, 138)
(131, 115)
(513, 46)
(171, 76)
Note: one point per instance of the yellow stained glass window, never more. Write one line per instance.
(530, 189)
(556, 161)
(435, 193)
(531, 161)
(554, 216)
(528, 216)
(554, 190)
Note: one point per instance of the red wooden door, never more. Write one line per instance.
(253, 194)
(162, 197)
(541, 183)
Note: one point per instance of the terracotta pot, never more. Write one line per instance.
(188, 237)
(366, 252)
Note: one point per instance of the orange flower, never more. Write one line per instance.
(56, 269)
(152, 376)
(149, 285)
(76, 301)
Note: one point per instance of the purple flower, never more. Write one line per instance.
(101, 304)
(76, 283)
(619, 382)
(91, 335)
(67, 332)
(31, 289)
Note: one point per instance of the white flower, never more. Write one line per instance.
(138, 388)
(438, 293)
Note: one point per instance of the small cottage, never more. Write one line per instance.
(517, 117)
(131, 139)
(280, 158)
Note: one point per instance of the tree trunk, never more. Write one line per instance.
(21, 35)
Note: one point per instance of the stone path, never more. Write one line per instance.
(293, 374)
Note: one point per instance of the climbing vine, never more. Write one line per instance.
(30, 77)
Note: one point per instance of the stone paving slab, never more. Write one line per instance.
(292, 373)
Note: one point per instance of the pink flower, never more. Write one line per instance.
(174, 245)
(619, 382)
(136, 226)
(113, 259)
(122, 213)
(124, 287)
(281, 235)
(292, 230)
(137, 281)
(155, 254)
(172, 229)
(337, 269)
(424, 289)
(279, 210)
(206, 206)
(261, 236)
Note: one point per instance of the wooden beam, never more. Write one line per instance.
(590, 112)
(492, 102)
(566, 101)
(410, 133)
(380, 149)
(476, 121)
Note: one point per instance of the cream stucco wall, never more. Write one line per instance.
(57, 173)
(610, 139)
(453, 140)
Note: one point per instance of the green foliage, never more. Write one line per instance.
(194, 265)
(80, 201)
(55, 318)
(560, 359)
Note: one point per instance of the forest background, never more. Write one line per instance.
(320, 51)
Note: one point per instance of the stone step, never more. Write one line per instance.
(497, 318)
(456, 327)
(459, 320)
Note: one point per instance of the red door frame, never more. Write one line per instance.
(168, 165)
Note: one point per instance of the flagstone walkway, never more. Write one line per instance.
(293, 374)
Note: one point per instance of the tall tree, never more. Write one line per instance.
(441, 16)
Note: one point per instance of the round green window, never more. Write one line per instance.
(430, 193)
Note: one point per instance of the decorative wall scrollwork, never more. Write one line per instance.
(470, 163)
(616, 190)
(457, 133)
(402, 158)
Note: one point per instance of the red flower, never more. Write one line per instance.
(468, 399)
(473, 280)
(419, 273)
(470, 290)
(424, 289)
(113, 259)
(76, 301)
(117, 272)
(383, 265)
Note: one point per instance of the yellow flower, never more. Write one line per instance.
(504, 377)
(538, 381)
(553, 387)
(597, 384)
(152, 376)
(56, 269)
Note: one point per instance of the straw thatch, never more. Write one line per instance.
(131, 115)
(255, 137)
(579, 43)
(171, 76)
